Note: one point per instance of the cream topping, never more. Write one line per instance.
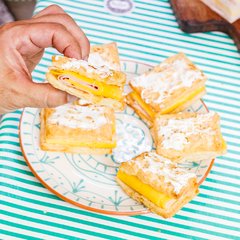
(157, 86)
(75, 116)
(177, 176)
(82, 101)
(95, 64)
(176, 132)
(96, 60)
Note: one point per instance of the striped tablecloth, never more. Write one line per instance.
(149, 34)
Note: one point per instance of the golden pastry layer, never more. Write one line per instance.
(169, 87)
(97, 80)
(158, 183)
(188, 136)
(78, 129)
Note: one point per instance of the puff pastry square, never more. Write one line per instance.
(158, 183)
(188, 136)
(169, 87)
(98, 80)
(78, 129)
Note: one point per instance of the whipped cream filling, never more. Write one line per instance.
(95, 64)
(162, 167)
(75, 116)
(157, 86)
(176, 132)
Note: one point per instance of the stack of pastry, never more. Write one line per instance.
(172, 86)
(78, 129)
(188, 136)
(97, 81)
(88, 125)
(158, 183)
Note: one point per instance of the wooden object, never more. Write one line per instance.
(194, 16)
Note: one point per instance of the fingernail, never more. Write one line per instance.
(71, 98)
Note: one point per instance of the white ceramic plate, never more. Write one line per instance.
(88, 181)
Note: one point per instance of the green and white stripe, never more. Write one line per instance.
(149, 34)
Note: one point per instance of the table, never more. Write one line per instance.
(149, 34)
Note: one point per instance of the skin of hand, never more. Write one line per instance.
(22, 46)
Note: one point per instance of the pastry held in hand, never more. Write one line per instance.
(228, 9)
(188, 136)
(169, 87)
(108, 53)
(97, 81)
(78, 129)
(158, 183)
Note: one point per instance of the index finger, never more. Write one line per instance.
(52, 9)
(56, 14)
(52, 35)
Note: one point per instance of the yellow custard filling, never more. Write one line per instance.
(158, 198)
(88, 85)
(182, 101)
(150, 113)
(82, 144)
(224, 144)
(135, 96)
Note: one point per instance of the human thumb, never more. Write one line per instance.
(43, 95)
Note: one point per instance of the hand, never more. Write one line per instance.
(22, 46)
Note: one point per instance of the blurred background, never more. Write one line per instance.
(11, 10)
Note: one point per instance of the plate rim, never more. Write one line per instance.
(68, 200)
